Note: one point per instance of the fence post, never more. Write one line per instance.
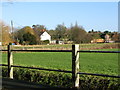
(75, 65)
(10, 62)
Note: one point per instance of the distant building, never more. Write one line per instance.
(60, 42)
(107, 38)
(45, 36)
(53, 42)
(57, 42)
(97, 41)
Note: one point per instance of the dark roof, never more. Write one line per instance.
(41, 33)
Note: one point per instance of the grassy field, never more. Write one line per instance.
(89, 62)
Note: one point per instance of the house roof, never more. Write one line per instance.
(43, 32)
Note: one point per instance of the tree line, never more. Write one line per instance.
(31, 35)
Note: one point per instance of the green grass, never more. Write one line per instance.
(99, 63)
(59, 60)
(102, 63)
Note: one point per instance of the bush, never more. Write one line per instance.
(56, 79)
(45, 42)
(29, 39)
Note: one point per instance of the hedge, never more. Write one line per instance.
(55, 79)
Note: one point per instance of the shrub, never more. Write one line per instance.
(56, 79)
(45, 42)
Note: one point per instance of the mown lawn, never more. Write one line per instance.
(103, 63)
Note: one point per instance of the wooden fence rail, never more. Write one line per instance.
(65, 71)
(84, 51)
(75, 63)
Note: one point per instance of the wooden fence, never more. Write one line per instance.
(75, 63)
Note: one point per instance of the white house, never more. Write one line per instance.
(45, 36)
(0, 43)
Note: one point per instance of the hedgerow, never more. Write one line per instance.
(56, 79)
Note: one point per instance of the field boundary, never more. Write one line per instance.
(75, 63)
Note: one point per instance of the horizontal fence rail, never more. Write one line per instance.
(42, 50)
(75, 62)
(63, 51)
(65, 71)
(39, 50)
(3, 50)
(38, 68)
(100, 51)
